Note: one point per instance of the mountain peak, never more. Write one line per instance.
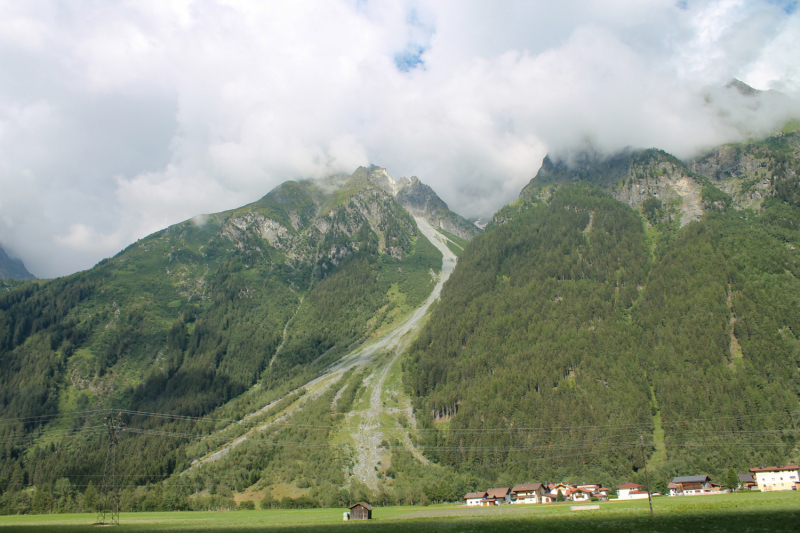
(418, 199)
(741, 87)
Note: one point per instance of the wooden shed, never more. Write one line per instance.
(361, 511)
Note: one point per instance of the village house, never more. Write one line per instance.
(673, 489)
(774, 478)
(562, 487)
(580, 495)
(747, 482)
(549, 497)
(527, 493)
(474, 498)
(630, 491)
(498, 496)
(694, 486)
(602, 493)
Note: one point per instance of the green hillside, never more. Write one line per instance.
(190, 318)
(577, 323)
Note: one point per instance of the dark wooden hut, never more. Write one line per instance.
(361, 511)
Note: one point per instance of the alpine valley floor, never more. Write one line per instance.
(743, 512)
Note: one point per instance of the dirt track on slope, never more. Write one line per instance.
(368, 437)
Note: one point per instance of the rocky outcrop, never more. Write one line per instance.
(745, 172)
(419, 200)
(12, 268)
(629, 176)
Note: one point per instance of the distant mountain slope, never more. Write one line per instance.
(575, 323)
(12, 268)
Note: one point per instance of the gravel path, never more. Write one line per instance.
(368, 436)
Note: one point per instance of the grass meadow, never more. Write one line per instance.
(742, 513)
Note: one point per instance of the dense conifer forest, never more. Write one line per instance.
(578, 324)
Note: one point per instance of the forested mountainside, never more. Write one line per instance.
(579, 322)
(188, 318)
(12, 268)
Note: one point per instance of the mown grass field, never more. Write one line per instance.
(742, 513)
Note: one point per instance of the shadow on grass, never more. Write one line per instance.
(712, 521)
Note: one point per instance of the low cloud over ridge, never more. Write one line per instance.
(117, 119)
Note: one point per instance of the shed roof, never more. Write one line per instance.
(747, 477)
(471, 495)
(691, 479)
(366, 506)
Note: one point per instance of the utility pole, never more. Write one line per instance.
(110, 501)
(647, 479)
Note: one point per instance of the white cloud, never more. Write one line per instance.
(117, 119)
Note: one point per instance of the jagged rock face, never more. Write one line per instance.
(420, 200)
(629, 176)
(12, 268)
(746, 175)
(670, 183)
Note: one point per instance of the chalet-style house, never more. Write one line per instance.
(474, 498)
(490, 497)
(694, 486)
(630, 491)
(579, 495)
(773, 478)
(747, 482)
(527, 493)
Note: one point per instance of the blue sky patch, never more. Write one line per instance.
(410, 58)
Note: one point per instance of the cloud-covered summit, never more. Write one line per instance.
(118, 119)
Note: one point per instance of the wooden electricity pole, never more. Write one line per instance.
(647, 479)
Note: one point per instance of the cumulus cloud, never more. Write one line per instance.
(118, 119)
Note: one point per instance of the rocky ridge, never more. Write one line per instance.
(12, 268)
(746, 172)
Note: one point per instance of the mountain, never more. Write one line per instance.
(623, 296)
(12, 268)
(256, 300)
(420, 200)
(321, 346)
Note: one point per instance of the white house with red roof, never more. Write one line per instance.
(474, 498)
(630, 491)
(580, 495)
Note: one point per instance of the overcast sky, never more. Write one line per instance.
(120, 118)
